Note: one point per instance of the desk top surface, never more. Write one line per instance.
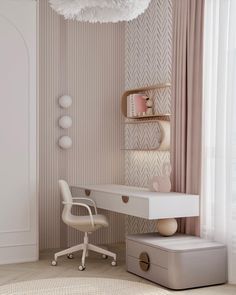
(130, 191)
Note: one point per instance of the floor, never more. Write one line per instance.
(95, 267)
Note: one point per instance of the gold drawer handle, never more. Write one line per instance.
(125, 199)
(87, 192)
(144, 261)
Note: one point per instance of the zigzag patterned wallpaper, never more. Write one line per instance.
(148, 61)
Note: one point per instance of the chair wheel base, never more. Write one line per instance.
(70, 256)
(81, 267)
(54, 263)
(104, 256)
(114, 263)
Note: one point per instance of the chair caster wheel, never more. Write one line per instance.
(113, 263)
(70, 256)
(54, 263)
(104, 256)
(81, 267)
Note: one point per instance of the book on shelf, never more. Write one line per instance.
(130, 106)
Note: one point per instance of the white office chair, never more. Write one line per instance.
(86, 224)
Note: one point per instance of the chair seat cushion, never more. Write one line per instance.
(83, 223)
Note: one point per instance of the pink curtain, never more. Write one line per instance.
(187, 101)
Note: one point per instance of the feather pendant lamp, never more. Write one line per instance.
(102, 11)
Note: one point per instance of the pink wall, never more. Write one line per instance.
(87, 62)
(94, 64)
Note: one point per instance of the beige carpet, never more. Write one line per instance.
(78, 286)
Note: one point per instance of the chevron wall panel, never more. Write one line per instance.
(142, 136)
(148, 61)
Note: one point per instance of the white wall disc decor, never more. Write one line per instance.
(65, 142)
(65, 122)
(65, 101)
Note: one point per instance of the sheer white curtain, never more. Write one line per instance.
(218, 200)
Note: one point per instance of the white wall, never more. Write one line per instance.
(18, 182)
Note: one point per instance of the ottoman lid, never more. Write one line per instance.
(176, 243)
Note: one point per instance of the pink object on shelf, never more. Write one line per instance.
(162, 183)
(140, 103)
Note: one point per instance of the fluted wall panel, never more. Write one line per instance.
(49, 154)
(85, 61)
(95, 69)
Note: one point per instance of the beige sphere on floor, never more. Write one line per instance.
(167, 227)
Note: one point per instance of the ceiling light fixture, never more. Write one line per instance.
(102, 11)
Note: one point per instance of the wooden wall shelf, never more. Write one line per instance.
(148, 121)
(165, 136)
(156, 118)
(140, 90)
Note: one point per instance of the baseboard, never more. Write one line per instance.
(19, 254)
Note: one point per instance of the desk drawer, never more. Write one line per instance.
(115, 202)
(155, 273)
(139, 202)
(156, 256)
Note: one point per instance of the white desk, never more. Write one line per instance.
(138, 201)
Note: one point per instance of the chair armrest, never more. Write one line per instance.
(88, 199)
(82, 205)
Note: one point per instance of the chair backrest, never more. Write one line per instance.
(67, 198)
(65, 191)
